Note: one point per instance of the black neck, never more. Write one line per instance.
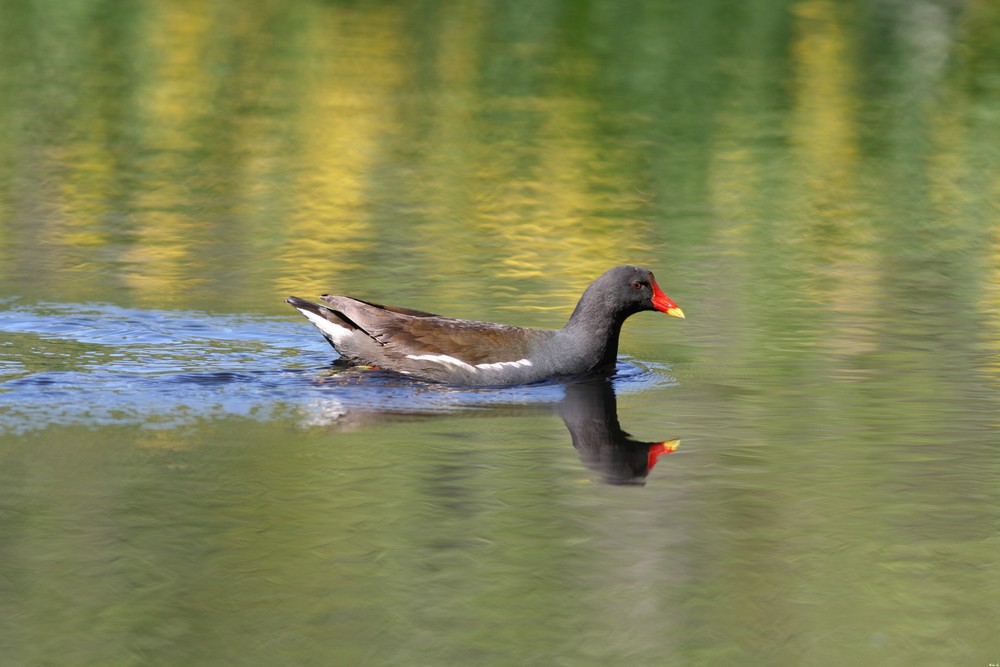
(595, 328)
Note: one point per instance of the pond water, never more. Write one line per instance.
(805, 471)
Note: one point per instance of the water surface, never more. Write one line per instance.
(185, 478)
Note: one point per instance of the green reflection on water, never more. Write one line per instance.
(814, 182)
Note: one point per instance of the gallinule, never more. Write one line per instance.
(467, 352)
(590, 411)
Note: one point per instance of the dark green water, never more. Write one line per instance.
(185, 480)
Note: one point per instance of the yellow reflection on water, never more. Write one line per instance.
(174, 91)
(177, 93)
(833, 224)
(346, 115)
(87, 192)
(733, 195)
(157, 266)
(824, 123)
(179, 87)
(564, 221)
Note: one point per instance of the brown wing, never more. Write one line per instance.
(392, 309)
(466, 340)
(413, 332)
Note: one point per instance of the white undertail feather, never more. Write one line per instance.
(335, 332)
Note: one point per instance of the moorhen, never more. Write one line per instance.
(466, 352)
(590, 411)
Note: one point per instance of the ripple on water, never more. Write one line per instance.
(102, 364)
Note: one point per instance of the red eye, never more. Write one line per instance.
(636, 285)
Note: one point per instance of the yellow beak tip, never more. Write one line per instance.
(675, 312)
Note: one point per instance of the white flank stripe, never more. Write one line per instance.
(336, 332)
(442, 359)
(452, 361)
(503, 364)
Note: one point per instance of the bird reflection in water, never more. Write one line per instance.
(590, 412)
(588, 407)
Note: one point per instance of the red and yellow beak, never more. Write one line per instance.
(658, 450)
(663, 303)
